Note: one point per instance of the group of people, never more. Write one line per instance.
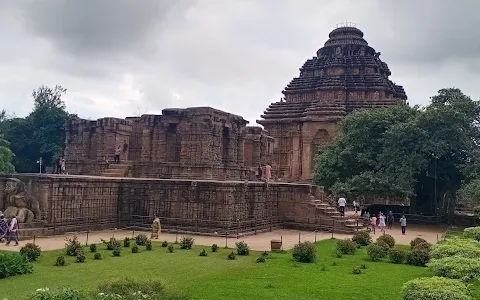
(264, 175)
(61, 169)
(8, 229)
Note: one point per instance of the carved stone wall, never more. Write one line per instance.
(258, 147)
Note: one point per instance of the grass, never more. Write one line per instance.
(215, 277)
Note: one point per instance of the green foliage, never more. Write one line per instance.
(31, 251)
(203, 252)
(170, 248)
(346, 246)
(456, 247)
(423, 246)
(242, 248)
(97, 256)
(116, 251)
(231, 256)
(472, 233)
(304, 252)
(12, 264)
(164, 244)
(6, 156)
(141, 240)
(362, 238)
(80, 257)
(72, 246)
(93, 248)
(214, 248)
(186, 242)
(416, 241)
(387, 239)
(112, 243)
(60, 261)
(397, 256)
(356, 270)
(435, 288)
(386, 247)
(469, 193)
(148, 246)
(375, 252)
(418, 257)
(126, 242)
(63, 294)
(261, 259)
(135, 249)
(126, 287)
(465, 269)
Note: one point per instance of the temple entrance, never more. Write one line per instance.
(320, 141)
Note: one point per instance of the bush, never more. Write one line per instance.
(242, 248)
(93, 248)
(416, 241)
(363, 267)
(375, 252)
(135, 249)
(165, 244)
(148, 245)
(72, 245)
(12, 264)
(472, 233)
(112, 244)
(435, 288)
(397, 256)
(423, 246)
(97, 256)
(141, 240)
(356, 270)
(465, 269)
(305, 252)
(261, 259)
(116, 251)
(31, 251)
(362, 238)
(231, 256)
(80, 257)
(203, 253)
(386, 247)
(60, 262)
(418, 258)
(186, 242)
(456, 247)
(346, 246)
(214, 248)
(170, 248)
(47, 294)
(125, 288)
(126, 242)
(387, 239)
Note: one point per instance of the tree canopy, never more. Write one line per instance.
(421, 153)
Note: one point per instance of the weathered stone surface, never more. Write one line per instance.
(18, 202)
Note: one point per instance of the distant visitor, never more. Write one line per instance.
(156, 228)
(118, 151)
(341, 205)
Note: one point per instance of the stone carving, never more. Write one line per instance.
(376, 95)
(19, 203)
(338, 51)
(361, 52)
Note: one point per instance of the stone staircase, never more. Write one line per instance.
(117, 170)
(351, 223)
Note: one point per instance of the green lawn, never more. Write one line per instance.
(215, 277)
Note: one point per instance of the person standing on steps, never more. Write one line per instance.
(268, 172)
(118, 151)
(125, 149)
(13, 231)
(342, 202)
(259, 172)
(403, 223)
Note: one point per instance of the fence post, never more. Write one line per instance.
(299, 238)
(86, 242)
(226, 239)
(315, 236)
(333, 226)
(238, 227)
(34, 239)
(281, 242)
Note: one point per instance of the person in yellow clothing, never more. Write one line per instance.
(156, 228)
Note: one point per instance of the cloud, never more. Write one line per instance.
(121, 58)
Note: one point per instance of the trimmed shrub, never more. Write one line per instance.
(165, 244)
(203, 252)
(423, 246)
(135, 249)
(60, 262)
(31, 251)
(186, 242)
(356, 270)
(125, 288)
(80, 257)
(126, 242)
(148, 246)
(112, 244)
(93, 248)
(12, 264)
(388, 239)
(116, 251)
(397, 256)
(261, 259)
(418, 258)
(386, 247)
(72, 245)
(346, 246)
(465, 269)
(435, 288)
(231, 256)
(416, 241)
(242, 248)
(170, 248)
(456, 247)
(141, 240)
(375, 252)
(214, 248)
(304, 252)
(97, 256)
(362, 238)
(66, 293)
(472, 233)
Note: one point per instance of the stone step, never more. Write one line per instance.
(118, 166)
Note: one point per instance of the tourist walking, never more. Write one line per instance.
(63, 168)
(259, 172)
(125, 149)
(373, 223)
(390, 220)
(118, 151)
(13, 231)
(268, 172)
(156, 228)
(403, 223)
(356, 207)
(342, 202)
(381, 222)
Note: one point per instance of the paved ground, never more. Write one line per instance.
(256, 242)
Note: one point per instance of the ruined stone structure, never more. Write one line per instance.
(345, 75)
(191, 143)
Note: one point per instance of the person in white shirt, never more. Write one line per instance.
(341, 203)
(13, 231)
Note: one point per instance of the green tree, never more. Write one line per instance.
(6, 156)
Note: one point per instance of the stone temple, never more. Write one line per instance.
(345, 75)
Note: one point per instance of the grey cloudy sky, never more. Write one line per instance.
(123, 57)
